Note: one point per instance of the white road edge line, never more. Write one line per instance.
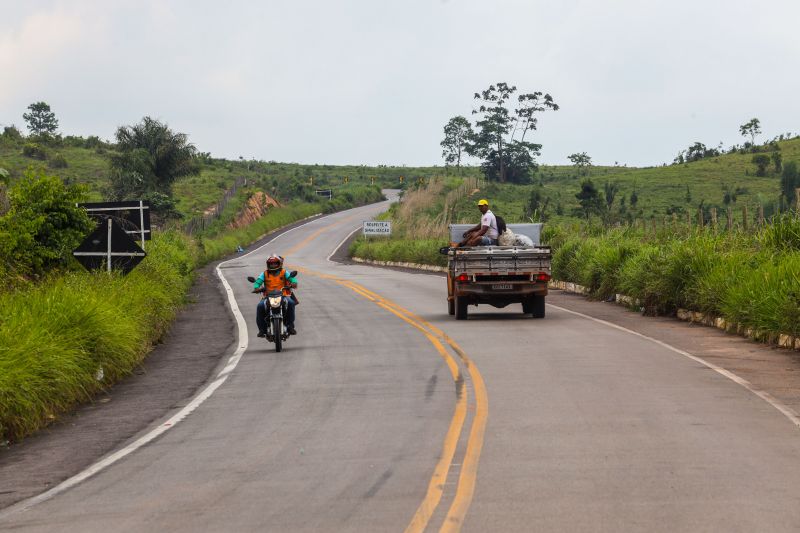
(787, 411)
(784, 409)
(340, 245)
(171, 422)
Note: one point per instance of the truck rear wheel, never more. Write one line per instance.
(536, 305)
(451, 307)
(461, 308)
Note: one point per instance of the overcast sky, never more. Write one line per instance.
(370, 81)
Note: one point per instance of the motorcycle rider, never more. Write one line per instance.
(274, 278)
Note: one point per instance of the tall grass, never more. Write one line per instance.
(225, 243)
(749, 279)
(58, 337)
(420, 251)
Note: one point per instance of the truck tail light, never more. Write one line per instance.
(463, 277)
(543, 276)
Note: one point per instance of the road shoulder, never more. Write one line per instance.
(767, 368)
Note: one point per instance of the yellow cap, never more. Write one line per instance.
(483, 202)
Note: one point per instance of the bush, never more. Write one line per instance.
(58, 161)
(43, 224)
(11, 134)
(34, 150)
(420, 251)
(640, 278)
(783, 234)
(767, 298)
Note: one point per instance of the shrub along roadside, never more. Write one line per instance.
(63, 340)
(752, 280)
(421, 251)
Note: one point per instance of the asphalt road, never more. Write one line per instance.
(385, 414)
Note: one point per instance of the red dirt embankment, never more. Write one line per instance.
(256, 207)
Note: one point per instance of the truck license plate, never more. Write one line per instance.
(502, 287)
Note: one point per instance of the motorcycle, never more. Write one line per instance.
(275, 308)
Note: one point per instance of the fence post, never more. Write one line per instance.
(714, 218)
(700, 221)
(655, 228)
(760, 215)
(744, 217)
(730, 219)
(797, 202)
(674, 221)
(689, 221)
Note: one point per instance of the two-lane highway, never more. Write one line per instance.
(385, 414)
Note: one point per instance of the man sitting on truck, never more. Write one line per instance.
(485, 233)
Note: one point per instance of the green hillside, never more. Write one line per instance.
(659, 189)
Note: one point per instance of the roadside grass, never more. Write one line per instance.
(420, 251)
(751, 279)
(64, 340)
(226, 242)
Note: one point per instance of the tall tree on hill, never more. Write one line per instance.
(777, 160)
(42, 122)
(751, 128)
(589, 199)
(150, 158)
(457, 134)
(581, 161)
(500, 136)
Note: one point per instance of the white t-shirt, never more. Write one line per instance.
(488, 219)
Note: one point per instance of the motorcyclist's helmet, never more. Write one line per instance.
(274, 263)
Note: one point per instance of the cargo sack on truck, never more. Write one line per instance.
(531, 231)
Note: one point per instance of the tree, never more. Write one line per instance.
(761, 161)
(457, 133)
(537, 205)
(698, 151)
(41, 120)
(500, 136)
(751, 128)
(729, 195)
(589, 199)
(150, 158)
(610, 191)
(777, 160)
(581, 161)
(634, 197)
(790, 180)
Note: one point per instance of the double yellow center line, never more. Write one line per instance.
(465, 488)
